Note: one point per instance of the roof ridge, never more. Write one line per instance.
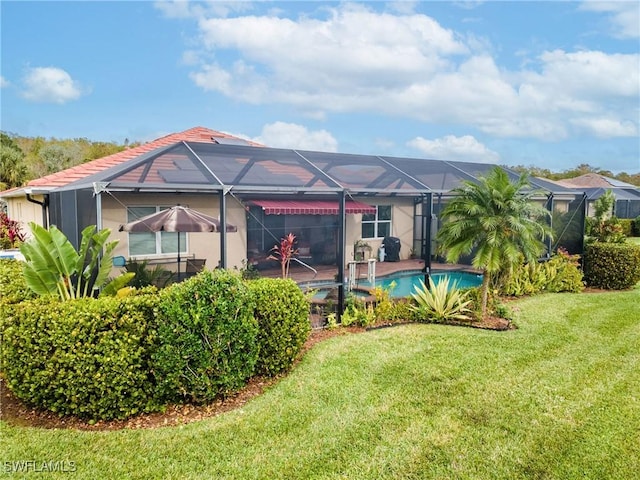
(78, 172)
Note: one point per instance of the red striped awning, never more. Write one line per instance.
(310, 207)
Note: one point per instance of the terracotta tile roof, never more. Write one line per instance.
(78, 172)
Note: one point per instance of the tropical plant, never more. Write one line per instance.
(54, 267)
(11, 235)
(561, 273)
(283, 252)
(497, 220)
(441, 301)
(603, 206)
(146, 276)
(606, 228)
(359, 247)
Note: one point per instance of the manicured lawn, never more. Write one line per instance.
(557, 398)
(634, 240)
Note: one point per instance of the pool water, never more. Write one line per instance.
(405, 281)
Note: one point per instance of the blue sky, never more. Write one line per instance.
(549, 84)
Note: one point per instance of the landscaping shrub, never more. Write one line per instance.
(11, 235)
(561, 273)
(13, 288)
(590, 225)
(441, 302)
(146, 275)
(626, 225)
(207, 344)
(282, 312)
(85, 357)
(608, 231)
(401, 311)
(613, 266)
(495, 307)
(357, 312)
(636, 226)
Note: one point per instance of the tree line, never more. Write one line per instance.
(26, 158)
(583, 168)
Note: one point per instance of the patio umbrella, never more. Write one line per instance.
(176, 219)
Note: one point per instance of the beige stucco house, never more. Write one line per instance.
(328, 200)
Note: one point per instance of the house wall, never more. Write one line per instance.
(207, 245)
(204, 245)
(401, 226)
(24, 211)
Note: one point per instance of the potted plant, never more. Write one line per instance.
(359, 247)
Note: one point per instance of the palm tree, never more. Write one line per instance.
(498, 219)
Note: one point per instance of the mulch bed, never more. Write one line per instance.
(15, 412)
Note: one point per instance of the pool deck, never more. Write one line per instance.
(327, 273)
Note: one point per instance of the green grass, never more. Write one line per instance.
(634, 240)
(559, 398)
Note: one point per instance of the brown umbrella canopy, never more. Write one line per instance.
(176, 219)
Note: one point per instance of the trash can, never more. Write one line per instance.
(391, 249)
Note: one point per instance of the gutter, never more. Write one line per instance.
(44, 204)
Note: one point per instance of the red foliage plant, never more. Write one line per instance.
(283, 252)
(11, 235)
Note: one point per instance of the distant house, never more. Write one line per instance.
(328, 200)
(594, 185)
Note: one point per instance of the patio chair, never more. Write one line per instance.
(195, 265)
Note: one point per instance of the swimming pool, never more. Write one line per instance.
(405, 281)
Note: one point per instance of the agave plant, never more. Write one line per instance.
(54, 267)
(442, 301)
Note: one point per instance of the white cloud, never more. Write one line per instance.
(4, 82)
(450, 147)
(302, 61)
(50, 85)
(607, 127)
(409, 66)
(291, 135)
(624, 16)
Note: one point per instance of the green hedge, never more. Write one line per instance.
(636, 226)
(206, 338)
(282, 312)
(627, 226)
(86, 357)
(13, 288)
(113, 357)
(613, 266)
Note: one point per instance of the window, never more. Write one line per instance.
(377, 225)
(151, 243)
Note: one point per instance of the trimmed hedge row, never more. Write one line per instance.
(206, 338)
(13, 288)
(85, 357)
(114, 357)
(613, 266)
(282, 312)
